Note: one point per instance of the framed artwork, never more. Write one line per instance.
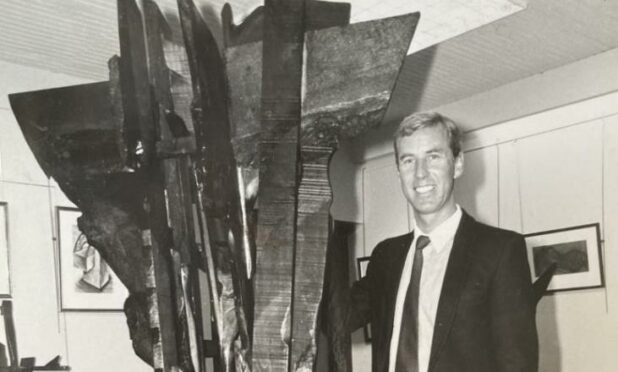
(87, 283)
(5, 274)
(575, 250)
(361, 264)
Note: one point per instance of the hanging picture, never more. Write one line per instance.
(5, 277)
(86, 280)
(576, 252)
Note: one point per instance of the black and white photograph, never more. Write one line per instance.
(201, 185)
(361, 266)
(576, 253)
(86, 280)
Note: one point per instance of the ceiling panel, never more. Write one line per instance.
(77, 37)
(546, 35)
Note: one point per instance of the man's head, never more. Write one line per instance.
(429, 159)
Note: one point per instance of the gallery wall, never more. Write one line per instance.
(93, 341)
(543, 171)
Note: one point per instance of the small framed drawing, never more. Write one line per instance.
(576, 252)
(5, 274)
(361, 264)
(87, 283)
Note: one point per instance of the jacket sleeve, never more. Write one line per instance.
(359, 308)
(513, 311)
(359, 303)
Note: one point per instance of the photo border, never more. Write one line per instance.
(591, 252)
(64, 307)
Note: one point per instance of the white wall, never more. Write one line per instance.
(88, 342)
(554, 172)
(591, 77)
(544, 171)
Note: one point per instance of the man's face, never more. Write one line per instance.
(427, 170)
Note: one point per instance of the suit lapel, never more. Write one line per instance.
(394, 271)
(454, 280)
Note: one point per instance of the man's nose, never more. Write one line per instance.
(420, 170)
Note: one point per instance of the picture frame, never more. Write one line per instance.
(87, 283)
(576, 251)
(5, 272)
(361, 267)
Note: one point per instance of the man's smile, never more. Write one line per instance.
(424, 189)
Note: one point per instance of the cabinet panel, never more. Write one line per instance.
(561, 177)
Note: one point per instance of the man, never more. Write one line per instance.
(454, 295)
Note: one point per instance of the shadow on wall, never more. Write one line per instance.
(547, 325)
(409, 89)
(407, 98)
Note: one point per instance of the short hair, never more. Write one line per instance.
(416, 121)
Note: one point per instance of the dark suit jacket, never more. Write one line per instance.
(485, 320)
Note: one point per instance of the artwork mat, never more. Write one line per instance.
(590, 233)
(5, 267)
(70, 298)
(361, 267)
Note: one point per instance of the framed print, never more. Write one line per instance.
(86, 280)
(361, 264)
(576, 252)
(5, 274)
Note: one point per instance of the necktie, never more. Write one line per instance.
(407, 351)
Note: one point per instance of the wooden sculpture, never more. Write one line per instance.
(192, 159)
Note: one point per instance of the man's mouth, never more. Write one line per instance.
(424, 189)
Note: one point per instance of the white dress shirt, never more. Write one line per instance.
(435, 258)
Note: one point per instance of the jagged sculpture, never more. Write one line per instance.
(190, 158)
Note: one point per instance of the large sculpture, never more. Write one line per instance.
(189, 159)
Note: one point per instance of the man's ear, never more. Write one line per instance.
(458, 165)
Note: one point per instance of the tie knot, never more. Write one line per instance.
(422, 242)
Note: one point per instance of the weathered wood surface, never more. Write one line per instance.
(278, 151)
(173, 147)
(349, 75)
(156, 239)
(119, 186)
(243, 60)
(312, 226)
(340, 257)
(219, 188)
(62, 126)
(169, 136)
(244, 64)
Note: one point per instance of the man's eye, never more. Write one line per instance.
(406, 161)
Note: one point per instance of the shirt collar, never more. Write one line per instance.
(443, 233)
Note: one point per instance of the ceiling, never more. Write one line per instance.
(516, 39)
(546, 35)
(76, 37)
